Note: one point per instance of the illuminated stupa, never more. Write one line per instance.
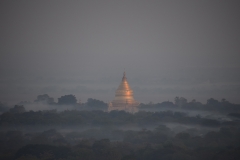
(124, 98)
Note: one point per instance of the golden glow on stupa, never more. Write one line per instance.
(124, 98)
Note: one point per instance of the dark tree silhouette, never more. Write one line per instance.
(96, 104)
(212, 101)
(67, 99)
(45, 98)
(17, 109)
(180, 101)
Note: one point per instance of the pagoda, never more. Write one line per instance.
(124, 98)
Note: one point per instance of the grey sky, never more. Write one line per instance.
(168, 48)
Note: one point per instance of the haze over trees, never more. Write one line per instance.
(3, 107)
(180, 130)
(117, 135)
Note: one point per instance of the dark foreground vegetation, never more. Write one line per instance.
(170, 131)
(157, 144)
(167, 135)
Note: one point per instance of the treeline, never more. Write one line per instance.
(63, 103)
(159, 143)
(179, 103)
(212, 104)
(101, 118)
(71, 100)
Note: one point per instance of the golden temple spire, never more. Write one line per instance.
(124, 97)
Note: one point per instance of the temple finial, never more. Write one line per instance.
(124, 76)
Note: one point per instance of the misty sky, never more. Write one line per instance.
(168, 48)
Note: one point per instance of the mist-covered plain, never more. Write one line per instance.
(179, 129)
